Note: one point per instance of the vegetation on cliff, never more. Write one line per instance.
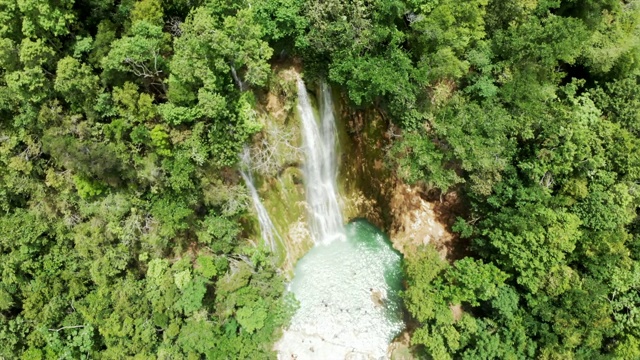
(121, 224)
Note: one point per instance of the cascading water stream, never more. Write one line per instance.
(321, 167)
(267, 230)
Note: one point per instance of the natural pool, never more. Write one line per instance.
(348, 294)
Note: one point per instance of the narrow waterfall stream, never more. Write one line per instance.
(267, 230)
(321, 167)
(347, 285)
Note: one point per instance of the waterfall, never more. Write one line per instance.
(349, 307)
(321, 166)
(267, 230)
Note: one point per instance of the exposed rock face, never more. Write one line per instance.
(416, 221)
(278, 153)
(378, 296)
(373, 191)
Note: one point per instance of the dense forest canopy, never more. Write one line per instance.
(121, 223)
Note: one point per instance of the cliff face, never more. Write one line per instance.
(365, 181)
(408, 213)
(369, 188)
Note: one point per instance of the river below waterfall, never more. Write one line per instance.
(348, 295)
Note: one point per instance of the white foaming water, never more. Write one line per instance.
(321, 167)
(349, 306)
(267, 230)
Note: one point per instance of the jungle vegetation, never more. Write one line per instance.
(121, 214)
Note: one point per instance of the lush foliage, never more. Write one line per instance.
(121, 224)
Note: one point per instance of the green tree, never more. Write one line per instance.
(76, 83)
(140, 53)
(46, 18)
